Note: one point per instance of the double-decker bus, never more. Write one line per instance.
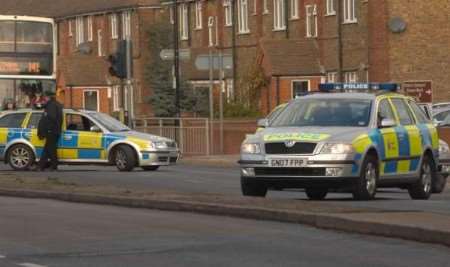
(27, 60)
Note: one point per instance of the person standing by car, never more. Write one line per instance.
(49, 128)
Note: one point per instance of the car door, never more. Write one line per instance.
(424, 127)
(79, 142)
(409, 137)
(390, 148)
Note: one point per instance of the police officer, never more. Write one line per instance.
(49, 128)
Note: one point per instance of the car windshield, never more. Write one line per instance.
(325, 112)
(109, 122)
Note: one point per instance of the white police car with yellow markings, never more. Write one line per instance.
(356, 137)
(87, 137)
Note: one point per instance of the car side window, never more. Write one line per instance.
(384, 111)
(76, 122)
(403, 111)
(12, 120)
(441, 116)
(420, 113)
(34, 120)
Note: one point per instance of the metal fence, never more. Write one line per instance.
(191, 134)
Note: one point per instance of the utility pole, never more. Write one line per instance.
(176, 58)
(340, 49)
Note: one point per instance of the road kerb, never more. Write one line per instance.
(319, 220)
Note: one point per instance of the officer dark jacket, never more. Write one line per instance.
(51, 120)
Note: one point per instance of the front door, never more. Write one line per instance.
(79, 143)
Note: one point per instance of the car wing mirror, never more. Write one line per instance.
(386, 123)
(263, 123)
(95, 129)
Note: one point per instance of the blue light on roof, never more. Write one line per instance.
(358, 86)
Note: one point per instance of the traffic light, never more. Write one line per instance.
(118, 61)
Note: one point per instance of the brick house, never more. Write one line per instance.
(301, 43)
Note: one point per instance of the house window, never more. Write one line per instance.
(100, 42)
(311, 21)
(299, 88)
(265, 7)
(211, 31)
(349, 11)
(126, 25)
(331, 10)
(294, 9)
(332, 77)
(91, 100)
(114, 27)
(228, 12)
(90, 29)
(184, 23)
(79, 30)
(198, 15)
(279, 18)
(116, 96)
(351, 77)
(70, 31)
(243, 16)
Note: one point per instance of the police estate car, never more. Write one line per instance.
(344, 138)
(88, 137)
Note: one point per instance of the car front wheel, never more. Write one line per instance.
(150, 168)
(21, 157)
(125, 158)
(316, 193)
(421, 189)
(253, 188)
(366, 186)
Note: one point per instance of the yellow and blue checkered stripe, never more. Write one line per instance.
(399, 148)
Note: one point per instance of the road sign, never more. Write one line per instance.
(202, 62)
(421, 91)
(168, 54)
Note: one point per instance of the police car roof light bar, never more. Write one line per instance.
(328, 87)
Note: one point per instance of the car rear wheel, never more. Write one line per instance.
(421, 189)
(21, 157)
(125, 158)
(150, 168)
(316, 193)
(253, 188)
(366, 186)
(439, 183)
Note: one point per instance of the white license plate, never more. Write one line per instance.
(287, 163)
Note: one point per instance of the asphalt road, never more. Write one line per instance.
(36, 233)
(198, 179)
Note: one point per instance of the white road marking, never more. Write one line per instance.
(27, 264)
(2, 256)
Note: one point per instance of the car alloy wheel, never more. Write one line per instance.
(121, 159)
(371, 178)
(426, 177)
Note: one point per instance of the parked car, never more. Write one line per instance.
(342, 140)
(440, 115)
(88, 137)
(443, 168)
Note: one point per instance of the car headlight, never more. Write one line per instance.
(443, 147)
(331, 148)
(250, 149)
(160, 145)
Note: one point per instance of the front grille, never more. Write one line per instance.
(298, 148)
(171, 144)
(173, 159)
(290, 171)
(163, 159)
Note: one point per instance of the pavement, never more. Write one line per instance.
(215, 190)
(46, 233)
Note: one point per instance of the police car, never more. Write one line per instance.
(88, 137)
(356, 137)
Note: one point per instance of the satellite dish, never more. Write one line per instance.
(397, 25)
(85, 48)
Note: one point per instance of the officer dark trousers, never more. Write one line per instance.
(51, 142)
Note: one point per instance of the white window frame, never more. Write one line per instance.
(79, 30)
(171, 16)
(293, 4)
(331, 77)
(114, 27)
(351, 77)
(255, 7)
(70, 29)
(98, 98)
(242, 9)
(184, 23)
(90, 29)
(198, 15)
(126, 25)
(349, 11)
(311, 21)
(265, 7)
(279, 15)
(116, 97)
(228, 10)
(100, 42)
(331, 9)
